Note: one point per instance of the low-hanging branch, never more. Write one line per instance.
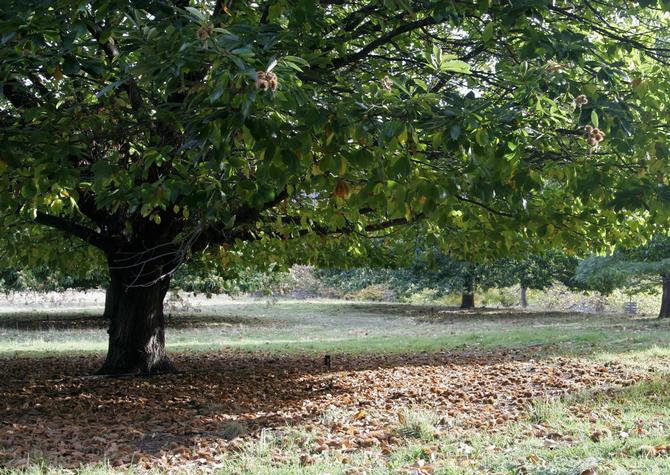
(82, 232)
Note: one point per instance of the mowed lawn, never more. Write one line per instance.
(202, 324)
(411, 389)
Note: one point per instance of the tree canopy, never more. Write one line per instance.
(154, 129)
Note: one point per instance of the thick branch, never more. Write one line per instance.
(382, 40)
(18, 96)
(319, 229)
(248, 215)
(82, 232)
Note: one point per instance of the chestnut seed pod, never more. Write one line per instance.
(342, 189)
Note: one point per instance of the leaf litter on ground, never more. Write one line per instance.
(221, 402)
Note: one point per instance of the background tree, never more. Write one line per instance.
(434, 269)
(641, 269)
(540, 271)
(153, 130)
(537, 271)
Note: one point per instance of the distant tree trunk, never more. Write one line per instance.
(467, 301)
(137, 324)
(524, 297)
(468, 295)
(665, 300)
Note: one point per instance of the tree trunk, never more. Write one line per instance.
(112, 294)
(468, 294)
(524, 297)
(137, 326)
(665, 300)
(467, 300)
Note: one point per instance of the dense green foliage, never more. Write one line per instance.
(642, 268)
(140, 123)
(192, 278)
(444, 274)
(400, 281)
(189, 278)
(44, 279)
(542, 270)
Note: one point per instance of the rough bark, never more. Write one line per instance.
(665, 300)
(137, 328)
(524, 297)
(112, 295)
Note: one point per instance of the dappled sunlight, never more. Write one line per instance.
(352, 327)
(254, 368)
(178, 418)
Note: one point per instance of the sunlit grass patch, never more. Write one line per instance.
(417, 423)
(617, 432)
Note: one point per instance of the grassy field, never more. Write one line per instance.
(335, 325)
(546, 393)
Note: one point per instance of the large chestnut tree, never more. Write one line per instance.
(152, 130)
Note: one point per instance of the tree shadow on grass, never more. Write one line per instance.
(42, 321)
(31, 321)
(48, 408)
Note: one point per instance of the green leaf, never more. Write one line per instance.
(402, 166)
(455, 66)
(275, 10)
(218, 92)
(295, 59)
(199, 15)
(402, 136)
(292, 66)
(422, 84)
(594, 118)
(244, 51)
(487, 34)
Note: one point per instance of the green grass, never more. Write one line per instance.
(641, 349)
(290, 326)
(569, 339)
(613, 432)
